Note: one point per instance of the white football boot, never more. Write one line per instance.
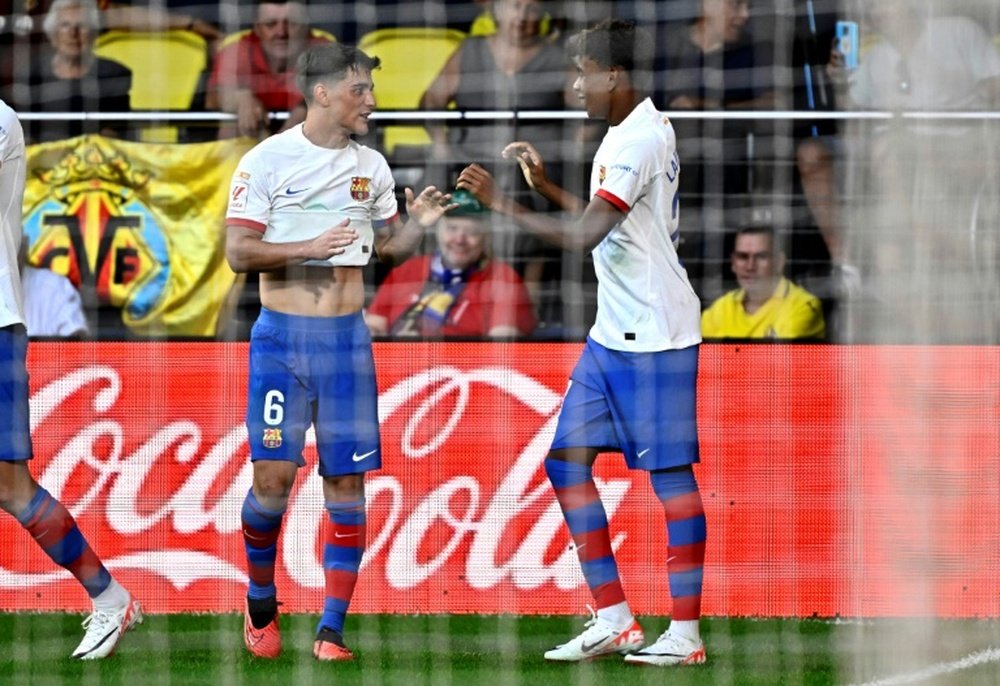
(601, 637)
(105, 628)
(668, 650)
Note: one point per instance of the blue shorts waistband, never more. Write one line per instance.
(299, 322)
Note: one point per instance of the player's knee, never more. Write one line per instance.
(17, 487)
(344, 488)
(272, 486)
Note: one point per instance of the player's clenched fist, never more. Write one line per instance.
(333, 241)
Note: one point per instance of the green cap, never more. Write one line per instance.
(468, 206)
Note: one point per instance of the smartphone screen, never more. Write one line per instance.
(847, 42)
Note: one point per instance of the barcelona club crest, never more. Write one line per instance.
(360, 187)
(272, 438)
(602, 173)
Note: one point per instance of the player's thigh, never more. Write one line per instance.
(652, 399)
(278, 401)
(15, 422)
(346, 420)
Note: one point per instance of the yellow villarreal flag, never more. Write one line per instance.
(140, 226)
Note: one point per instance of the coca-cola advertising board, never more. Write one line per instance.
(859, 481)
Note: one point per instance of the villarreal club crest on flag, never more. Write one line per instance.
(360, 187)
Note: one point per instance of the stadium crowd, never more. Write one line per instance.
(723, 68)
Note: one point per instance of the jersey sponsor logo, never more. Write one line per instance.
(360, 187)
(272, 438)
(238, 197)
(94, 227)
(625, 168)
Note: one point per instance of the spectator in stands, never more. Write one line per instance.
(766, 305)
(254, 75)
(514, 68)
(920, 232)
(517, 67)
(68, 77)
(711, 64)
(455, 291)
(53, 307)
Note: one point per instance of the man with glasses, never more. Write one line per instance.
(766, 305)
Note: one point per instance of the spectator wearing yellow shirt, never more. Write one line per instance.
(766, 305)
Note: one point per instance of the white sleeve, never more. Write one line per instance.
(249, 192)
(385, 206)
(634, 166)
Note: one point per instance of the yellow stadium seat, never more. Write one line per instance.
(411, 59)
(165, 68)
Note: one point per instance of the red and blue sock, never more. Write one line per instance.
(344, 534)
(685, 515)
(261, 528)
(55, 530)
(588, 526)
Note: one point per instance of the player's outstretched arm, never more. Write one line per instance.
(533, 167)
(246, 250)
(580, 234)
(397, 241)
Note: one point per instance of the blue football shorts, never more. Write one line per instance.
(15, 419)
(642, 404)
(313, 371)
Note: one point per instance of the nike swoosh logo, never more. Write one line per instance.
(358, 458)
(642, 452)
(337, 534)
(587, 648)
(289, 191)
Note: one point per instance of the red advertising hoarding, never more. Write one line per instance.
(859, 481)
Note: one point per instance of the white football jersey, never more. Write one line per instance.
(645, 302)
(292, 190)
(12, 173)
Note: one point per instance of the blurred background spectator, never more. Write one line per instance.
(52, 305)
(457, 290)
(66, 76)
(253, 73)
(766, 304)
(520, 66)
(926, 231)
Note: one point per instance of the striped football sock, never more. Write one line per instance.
(261, 528)
(344, 535)
(685, 515)
(588, 525)
(55, 530)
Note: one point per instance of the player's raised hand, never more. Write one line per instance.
(334, 241)
(531, 162)
(480, 183)
(427, 207)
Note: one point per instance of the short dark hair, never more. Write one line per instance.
(777, 238)
(617, 43)
(330, 62)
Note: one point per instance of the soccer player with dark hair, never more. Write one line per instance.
(307, 209)
(44, 517)
(633, 388)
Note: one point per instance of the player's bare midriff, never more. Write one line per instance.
(313, 291)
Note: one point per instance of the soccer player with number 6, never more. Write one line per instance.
(633, 388)
(307, 209)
